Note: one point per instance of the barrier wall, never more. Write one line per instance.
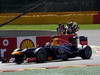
(96, 18)
(85, 17)
(7, 45)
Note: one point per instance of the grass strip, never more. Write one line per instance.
(47, 27)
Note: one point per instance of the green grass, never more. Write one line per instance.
(90, 27)
(47, 27)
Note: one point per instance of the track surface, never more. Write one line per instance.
(93, 40)
(71, 62)
(93, 36)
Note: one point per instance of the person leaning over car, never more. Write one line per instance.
(61, 29)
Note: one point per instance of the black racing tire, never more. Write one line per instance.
(86, 52)
(19, 61)
(65, 56)
(41, 56)
(4, 60)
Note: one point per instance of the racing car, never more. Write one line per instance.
(59, 47)
(63, 46)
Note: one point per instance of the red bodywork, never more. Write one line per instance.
(84, 43)
(65, 39)
(60, 39)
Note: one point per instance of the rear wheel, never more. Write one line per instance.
(86, 52)
(41, 56)
(64, 56)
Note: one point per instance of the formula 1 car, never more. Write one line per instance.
(59, 47)
(64, 47)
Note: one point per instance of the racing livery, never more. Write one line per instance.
(63, 46)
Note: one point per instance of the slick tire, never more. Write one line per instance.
(41, 56)
(86, 52)
(19, 61)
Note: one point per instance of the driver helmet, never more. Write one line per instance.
(48, 44)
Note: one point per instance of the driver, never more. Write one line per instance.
(72, 27)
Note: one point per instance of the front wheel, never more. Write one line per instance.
(85, 52)
(19, 61)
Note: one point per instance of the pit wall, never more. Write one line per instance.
(86, 17)
(7, 45)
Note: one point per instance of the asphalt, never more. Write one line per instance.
(93, 36)
(71, 62)
(95, 70)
